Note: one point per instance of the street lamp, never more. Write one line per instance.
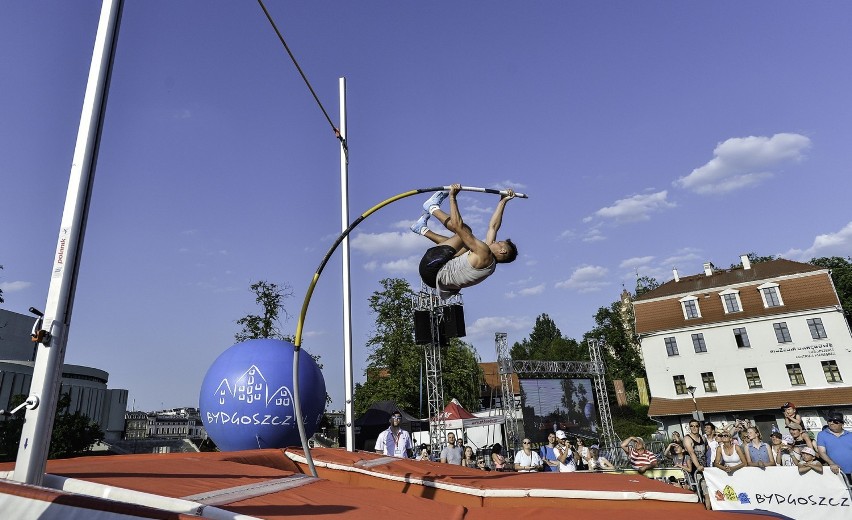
(698, 416)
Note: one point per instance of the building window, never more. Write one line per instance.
(690, 307)
(817, 330)
(771, 295)
(698, 343)
(741, 337)
(753, 378)
(709, 381)
(782, 333)
(671, 346)
(680, 385)
(795, 373)
(832, 373)
(731, 301)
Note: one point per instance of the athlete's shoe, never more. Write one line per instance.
(419, 227)
(435, 200)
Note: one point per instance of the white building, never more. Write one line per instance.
(86, 385)
(746, 340)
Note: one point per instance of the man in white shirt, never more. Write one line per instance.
(526, 460)
(395, 442)
(564, 453)
(452, 454)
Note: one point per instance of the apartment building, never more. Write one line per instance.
(738, 343)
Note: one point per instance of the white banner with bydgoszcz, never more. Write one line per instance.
(780, 489)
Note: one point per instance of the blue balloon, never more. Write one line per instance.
(246, 397)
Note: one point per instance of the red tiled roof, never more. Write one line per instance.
(815, 398)
(723, 278)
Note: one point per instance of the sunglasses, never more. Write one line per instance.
(723, 435)
(835, 421)
(526, 442)
(396, 417)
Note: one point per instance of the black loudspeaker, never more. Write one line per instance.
(453, 326)
(422, 328)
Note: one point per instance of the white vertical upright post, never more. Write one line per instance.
(50, 353)
(349, 405)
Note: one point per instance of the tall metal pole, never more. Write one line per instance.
(349, 407)
(50, 349)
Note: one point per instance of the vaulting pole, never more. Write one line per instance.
(52, 338)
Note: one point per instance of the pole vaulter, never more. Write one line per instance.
(297, 341)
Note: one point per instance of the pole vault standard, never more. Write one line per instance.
(51, 341)
(297, 341)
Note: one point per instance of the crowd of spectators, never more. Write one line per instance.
(730, 448)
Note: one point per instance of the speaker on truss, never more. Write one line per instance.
(422, 328)
(453, 325)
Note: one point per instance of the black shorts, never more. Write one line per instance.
(432, 262)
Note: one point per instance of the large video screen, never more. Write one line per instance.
(558, 404)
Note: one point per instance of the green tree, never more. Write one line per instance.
(546, 343)
(841, 275)
(1, 291)
(395, 361)
(73, 433)
(270, 296)
(271, 299)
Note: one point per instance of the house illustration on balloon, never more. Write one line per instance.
(252, 386)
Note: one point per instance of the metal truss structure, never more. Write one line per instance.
(507, 397)
(428, 300)
(595, 368)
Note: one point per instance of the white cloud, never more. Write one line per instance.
(740, 162)
(594, 235)
(490, 325)
(636, 207)
(588, 278)
(10, 287)
(527, 291)
(389, 244)
(682, 258)
(830, 244)
(636, 261)
(568, 234)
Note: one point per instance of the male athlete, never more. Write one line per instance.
(461, 260)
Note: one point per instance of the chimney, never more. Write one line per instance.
(745, 261)
(674, 272)
(708, 269)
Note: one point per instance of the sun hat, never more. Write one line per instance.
(561, 435)
(788, 404)
(810, 451)
(788, 439)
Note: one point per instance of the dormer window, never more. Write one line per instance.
(771, 295)
(690, 307)
(731, 301)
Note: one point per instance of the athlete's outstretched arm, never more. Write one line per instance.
(497, 217)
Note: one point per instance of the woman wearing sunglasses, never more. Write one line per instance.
(729, 456)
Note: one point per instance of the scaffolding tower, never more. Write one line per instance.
(609, 440)
(428, 300)
(507, 387)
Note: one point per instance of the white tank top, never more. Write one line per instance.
(732, 459)
(458, 274)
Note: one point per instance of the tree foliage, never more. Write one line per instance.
(841, 275)
(546, 343)
(1, 290)
(270, 296)
(73, 433)
(395, 362)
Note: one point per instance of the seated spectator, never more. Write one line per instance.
(424, 453)
(679, 457)
(791, 416)
(469, 458)
(527, 460)
(757, 452)
(641, 459)
(582, 454)
(595, 461)
(729, 457)
(498, 461)
(809, 462)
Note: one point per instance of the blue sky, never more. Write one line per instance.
(649, 135)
